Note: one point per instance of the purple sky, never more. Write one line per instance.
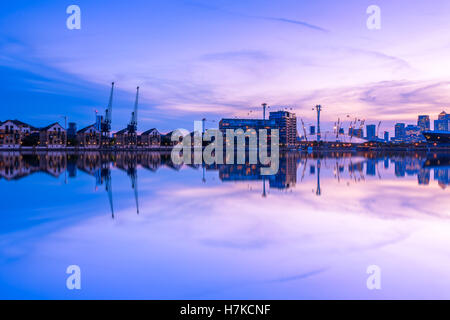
(213, 59)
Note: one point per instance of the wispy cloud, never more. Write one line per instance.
(301, 276)
(267, 18)
(292, 21)
(395, 62)
(238, 55)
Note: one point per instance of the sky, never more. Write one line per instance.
(212, 59)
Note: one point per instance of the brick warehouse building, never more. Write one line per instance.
(89, 137)
(13, 133)
(53, 136)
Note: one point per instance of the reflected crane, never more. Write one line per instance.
(304, 169)
(106, 173)
(129, 164)
(337, 173)
(132, 172)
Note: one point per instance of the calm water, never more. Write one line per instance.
(140, 227)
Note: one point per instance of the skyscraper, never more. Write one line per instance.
(443, 122)
(412, 134)
(424, 123)
(371, 131)
(443, 116)
(411, 130)
(442, 125)
(286, 122)
(400, 130)
(386, 136)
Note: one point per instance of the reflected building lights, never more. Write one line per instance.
(346, 167)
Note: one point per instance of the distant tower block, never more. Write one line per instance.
(264, 105)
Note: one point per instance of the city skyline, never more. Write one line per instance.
(195, 60)
(16, 134)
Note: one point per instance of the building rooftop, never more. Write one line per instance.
(20, 124)
(122, 131)
(149, 131)
(49, 126)
(87, 128)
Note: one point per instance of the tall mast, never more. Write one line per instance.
(318, 108)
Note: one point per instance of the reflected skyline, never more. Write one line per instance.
(345, 167)
(16, 165)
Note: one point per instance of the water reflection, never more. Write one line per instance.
(348, 167)
(15, 165)
(224, 231)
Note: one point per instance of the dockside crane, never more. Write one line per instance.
(304, 130)
(132, 126)
(353, 127)
(351, 130)
(338, 128)
(106, 123)
(204, 120)
(361, 126)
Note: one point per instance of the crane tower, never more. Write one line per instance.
(106, 123)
